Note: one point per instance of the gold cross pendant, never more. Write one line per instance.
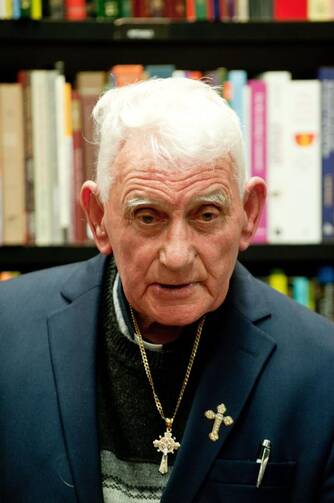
(166, 445)
(219, 418)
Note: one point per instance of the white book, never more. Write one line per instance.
(63, 168)
(299, 206)
(277, 135)
(242, 10)
(42, 171)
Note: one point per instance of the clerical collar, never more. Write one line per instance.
(123, 315)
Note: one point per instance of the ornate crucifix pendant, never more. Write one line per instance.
(166, 445)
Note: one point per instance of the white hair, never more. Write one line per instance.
(182, 122)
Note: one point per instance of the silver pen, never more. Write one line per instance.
(263, 460)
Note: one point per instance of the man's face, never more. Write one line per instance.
(175, 236)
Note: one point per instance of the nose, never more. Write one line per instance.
(177, 252)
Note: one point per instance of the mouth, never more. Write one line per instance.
(176, 287)
(168, 291)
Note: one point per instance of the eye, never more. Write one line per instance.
(147, 216)
(208, 214)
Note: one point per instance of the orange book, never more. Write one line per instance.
(190, 10)
(127, 74)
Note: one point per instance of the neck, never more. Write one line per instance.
(158, 334)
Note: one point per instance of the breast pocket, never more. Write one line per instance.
(234, 481)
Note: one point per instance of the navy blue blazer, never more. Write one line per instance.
(271, 364)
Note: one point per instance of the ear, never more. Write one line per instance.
(94, 211)
(253, 203)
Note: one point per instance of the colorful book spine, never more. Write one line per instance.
(319, 10)
(238, 80)
(36, 9)
(303, 157)
(12, 164)
(75, 10)
(278, 280)
(278, 169)
(288, 10)
(326, 76)
(258, 144)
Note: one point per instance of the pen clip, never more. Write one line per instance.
(263, 460)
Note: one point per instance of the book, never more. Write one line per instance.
(300, 286)
(36, 9)
(287, 10)
(325, 292)
(242, 10)
(43, 176)
(90, 86)
(78, 220)
(237, 80)
(160, 71)
(64, 161)
(258, 145)
(326, 77)
(301, 199)
(278, 280)
(75, 10)
(260, 10)
(127, 74)
(12, 164)
(24, 78)
(175, 9)
(319, 10)
(278, 169)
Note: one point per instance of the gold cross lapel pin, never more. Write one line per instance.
(218, 418)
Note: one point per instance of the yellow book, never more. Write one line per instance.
(319, 10)
(36, 9)
(279, 281)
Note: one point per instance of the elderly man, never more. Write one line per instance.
(161, 370)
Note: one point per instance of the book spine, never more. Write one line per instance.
(75, 10)
(36, 9)
(319, 10)
(278, 169)
(78, 224)
(303, 158)
(258, 131)
(12, 161)
(326, 76)
(287, 10)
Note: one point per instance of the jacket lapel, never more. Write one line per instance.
(73, 337)
(237, 352)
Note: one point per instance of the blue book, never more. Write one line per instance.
(326, 77)
(301, 290)
(237, 80)
(160, 71)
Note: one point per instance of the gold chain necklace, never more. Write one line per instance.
(166, 444)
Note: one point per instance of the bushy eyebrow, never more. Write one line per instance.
(217, 198)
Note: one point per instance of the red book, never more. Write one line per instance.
(288, 10)
(75, 10)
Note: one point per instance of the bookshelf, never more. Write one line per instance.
(91, 45)
(300, 47)
(259, 259)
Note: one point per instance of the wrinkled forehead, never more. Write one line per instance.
(138, 158)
